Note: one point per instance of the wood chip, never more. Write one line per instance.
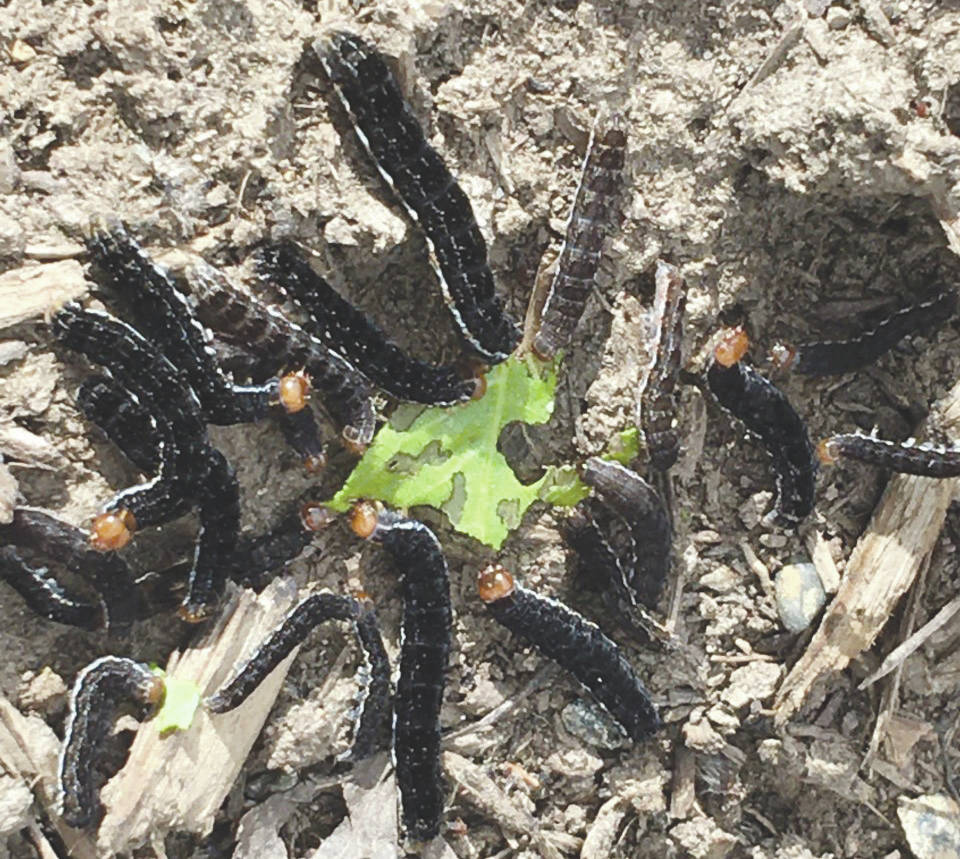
(602, 833)
(882, 566)
(823, 560)
(370, 829)
(12, 350)
(33, 290)
(179, 782)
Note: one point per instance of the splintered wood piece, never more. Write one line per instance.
(33, 290)
(882, 566)
(899, 654)
(179, 781)
(28, 750)
(601, 837)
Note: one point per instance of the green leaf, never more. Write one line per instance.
(447, 457)
(563, 486)
(180, 702)
(625, 447)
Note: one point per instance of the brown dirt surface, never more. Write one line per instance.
(797, 160)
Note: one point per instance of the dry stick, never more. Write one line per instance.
(891, 692)
(899, 654)
(508, 705)
(676, 596)
(601, 838)
(882, 566)
(180, 781)
(40, 843)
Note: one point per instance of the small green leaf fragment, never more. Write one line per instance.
(447, 458)
(563, 487)
(180, 702)
(625, 446)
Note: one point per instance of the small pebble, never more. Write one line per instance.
(21, 52)
(44, 692)
(800, 595)
(838, 18)
(12, 350)
(931, 824)
(587, 722)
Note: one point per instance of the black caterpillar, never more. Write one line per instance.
(767, 414)
(121, 600)
(373, 725)
(906, 457)
(343, 328)
(656, 403)
(346, 394)
(161, 313)
(832, 357)
(574, 643)
(392, 136)
(424, 651)
(99, 692)
(624, 492)
(591, 216)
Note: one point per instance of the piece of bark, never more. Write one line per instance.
(179, 782)
(882, 566)
(33, 290)
(29, 750)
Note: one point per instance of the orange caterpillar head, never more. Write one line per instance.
(363, 519)
(361, 596)
(315, 517)
(732, 347)
(828, 451)
(782, 356)
(156, 692)
(113, 530)
(315, 463)
(480, 389)
(193, 615)
(351, 441)
(494, 583)
(294, 391)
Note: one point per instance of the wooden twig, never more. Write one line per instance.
(179, 782)
(899, 654)
(891, 693)
(882, 566)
